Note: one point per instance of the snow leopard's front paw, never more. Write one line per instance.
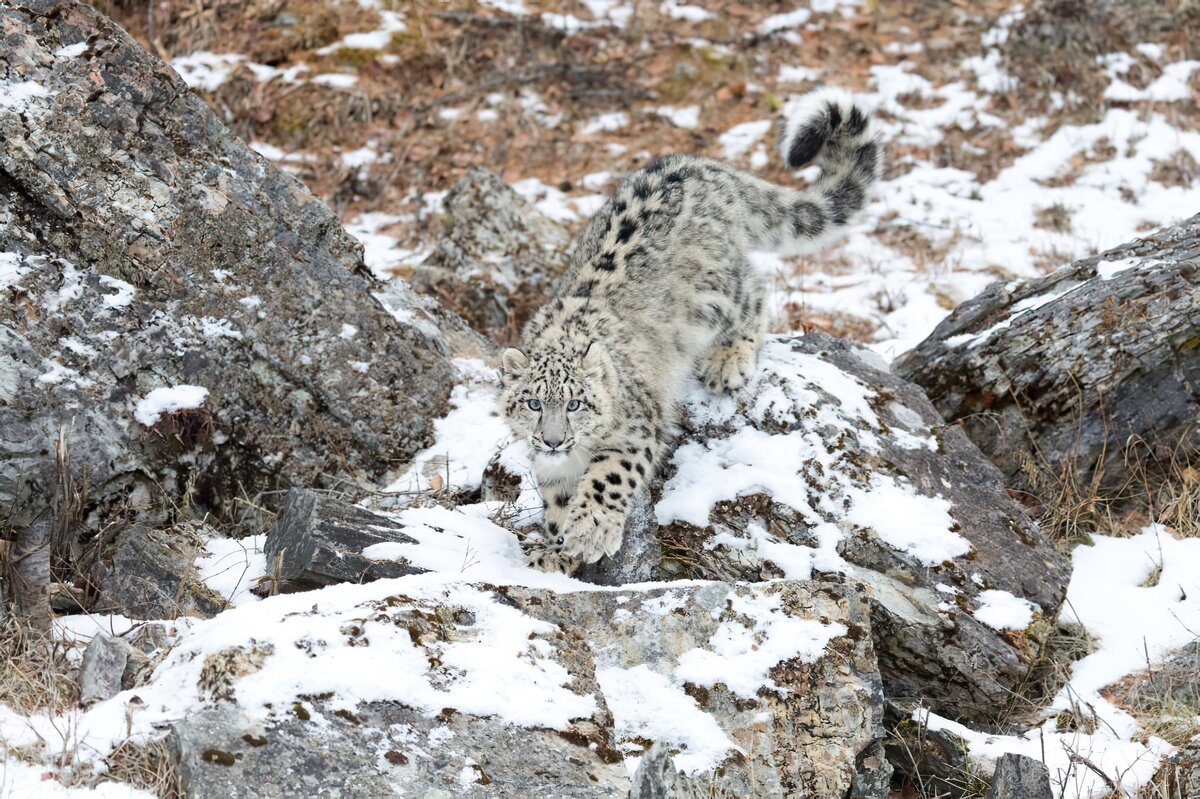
(593, 531)
(728, 368)
(549, 557)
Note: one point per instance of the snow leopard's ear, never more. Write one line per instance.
(597, 365)
(514, 361)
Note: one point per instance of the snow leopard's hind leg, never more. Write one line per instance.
(731, 361)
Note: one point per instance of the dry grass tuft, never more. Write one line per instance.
(35, 673)
(932, 764)
(1181, 169)
(1056, 218)
(149, 766)
(1051, 670)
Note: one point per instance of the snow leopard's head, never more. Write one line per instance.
(560, 399)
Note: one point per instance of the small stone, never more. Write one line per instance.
(102, 669)
(1020, 777)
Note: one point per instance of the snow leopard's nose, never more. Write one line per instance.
(552, 443)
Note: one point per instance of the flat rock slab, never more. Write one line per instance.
(318, 541)
(1063, 372)
(145, 248)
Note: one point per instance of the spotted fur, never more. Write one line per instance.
(661, 288)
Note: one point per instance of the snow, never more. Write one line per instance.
(168, 399)
(910, 522)
(382, 253)
(71, 50)
(688, 117)
(798, 74)
(24, 97)
(19, 780)
(790, 19)
(206, 70)
(788, 388)
(1139, 599)
(685, 12)
(378, 39)
(1139, 596)
(230, 566)
(336, 80)
(1106, 270)
(650, 706)
(743, 650)
(605, 122)
(11, 270)
(736, 141)
(1000, 610)
(465, 439)
(122, 295)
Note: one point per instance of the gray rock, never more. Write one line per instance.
(103, 667)
(149, 248)
(813, 732)
(801, 733)
(657, 778)
(497, 258)
(639, 556)
(319, 541)
(1061, 373)
(150, 573)
(1020, 777)
(384, 750)
(930, 645)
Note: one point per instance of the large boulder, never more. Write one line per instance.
(422, 687)
(497, 258)
(826, 463)
(1067, 373)
(184, 318)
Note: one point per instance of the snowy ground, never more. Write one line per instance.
(933, 236)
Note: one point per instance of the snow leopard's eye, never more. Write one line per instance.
(573, 405)
(534, 405)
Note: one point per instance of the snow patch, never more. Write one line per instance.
(168, 399)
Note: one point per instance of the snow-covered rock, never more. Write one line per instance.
(1065, 371)
(764, 690)
(826, 463)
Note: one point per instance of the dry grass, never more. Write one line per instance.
(932, 765)
(1056, 218)
(1181, 169)
(149, 766)
(1049, 673)
(35, 674)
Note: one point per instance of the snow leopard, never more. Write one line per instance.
(660, 289)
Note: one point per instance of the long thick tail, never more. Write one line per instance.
(832, 128)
